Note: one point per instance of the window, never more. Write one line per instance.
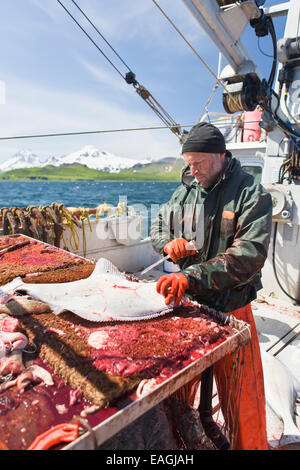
(255, 171)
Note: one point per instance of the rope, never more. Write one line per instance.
(205, 109)
(74, 235)
(91, 39)
(234, 103)
(84, 215)
(100, 34)
(105, 131)
(103, 209)
(145, 94)
(193, 49)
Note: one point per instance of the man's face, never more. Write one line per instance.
(205, 167)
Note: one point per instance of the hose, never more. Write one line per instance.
(211, 429)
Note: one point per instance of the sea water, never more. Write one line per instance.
(145, 196)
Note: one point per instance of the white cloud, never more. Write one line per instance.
(105, 77)
(35, 110)
(122, 21)
(47, 8)
(48, 100)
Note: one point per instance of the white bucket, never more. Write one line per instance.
(169, 267)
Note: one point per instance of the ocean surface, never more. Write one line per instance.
(144, 196)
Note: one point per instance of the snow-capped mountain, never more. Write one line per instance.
(21, 159)
(97, 160)
(89, 156)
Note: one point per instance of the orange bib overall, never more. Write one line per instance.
(251, 416)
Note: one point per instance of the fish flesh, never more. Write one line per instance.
(13, 341)
(106, 295)
(11, 364)
(34, 374)
(11, 360)
(282, 389)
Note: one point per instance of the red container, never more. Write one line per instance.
(252, 130)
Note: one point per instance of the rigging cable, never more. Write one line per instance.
(129, 77)
(195, 52)
(100, 34)
(104, 131)
(91, 39)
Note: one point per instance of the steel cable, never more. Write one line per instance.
(100, 34)
(104, 131)
(145, 94)
(90, 38)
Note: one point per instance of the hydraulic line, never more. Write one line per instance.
(211, 429)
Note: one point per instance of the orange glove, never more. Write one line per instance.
(65, 432)
(172, 287)
(179, 248)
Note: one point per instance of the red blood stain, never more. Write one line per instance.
(123, 287)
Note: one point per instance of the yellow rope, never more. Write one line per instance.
(84, 215)
(102, 209)
(74, 238)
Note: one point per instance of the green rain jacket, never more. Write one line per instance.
(236, 226)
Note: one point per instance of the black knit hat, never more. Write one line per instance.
(206, 138)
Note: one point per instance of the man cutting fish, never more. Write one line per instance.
(227, 217)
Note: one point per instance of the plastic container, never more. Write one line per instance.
(169, 267)
(252, 129)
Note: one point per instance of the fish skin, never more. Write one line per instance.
(4, 298)
(106, 295)
(23, 305)
(281, 391)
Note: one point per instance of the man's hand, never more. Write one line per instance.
(172, 287)
(179, 248)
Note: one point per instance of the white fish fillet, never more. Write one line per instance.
(106, 295)
(281, 390)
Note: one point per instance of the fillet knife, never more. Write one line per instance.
(157, 263)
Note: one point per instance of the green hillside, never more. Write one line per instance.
(168, 169)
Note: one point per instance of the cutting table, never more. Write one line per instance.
(109, 421)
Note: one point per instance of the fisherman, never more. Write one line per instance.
(227, 216)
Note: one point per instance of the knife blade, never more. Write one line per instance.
(157, 263)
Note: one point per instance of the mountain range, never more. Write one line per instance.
(88, 156)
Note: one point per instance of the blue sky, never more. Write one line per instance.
(56, 80)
